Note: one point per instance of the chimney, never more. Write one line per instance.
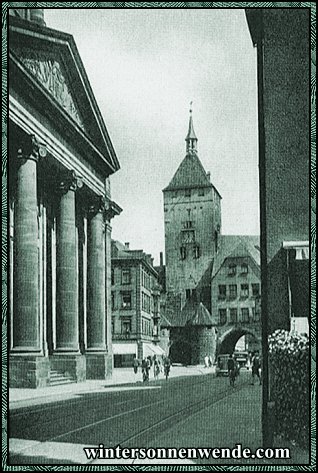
(208, 175)
(161, 258)
(127, 245)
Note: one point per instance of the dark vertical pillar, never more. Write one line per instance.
(67, 330)
(107, 236)
(28, 367)
(26, 320)
(96, 309)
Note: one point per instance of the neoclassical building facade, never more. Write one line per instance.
(60, 159)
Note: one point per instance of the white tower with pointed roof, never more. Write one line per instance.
(192, 213)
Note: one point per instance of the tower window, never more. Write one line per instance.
(188, 236)
(244, 268)
(232, 270)
(188, 224)
(188, 293)
(183, 252)
(187, 193)
(201, 192)
(196, 252)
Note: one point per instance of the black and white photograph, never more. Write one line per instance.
(160, 235)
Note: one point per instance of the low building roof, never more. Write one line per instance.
(236, 246)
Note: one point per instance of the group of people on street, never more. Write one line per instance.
(159, 365)
(234, 368)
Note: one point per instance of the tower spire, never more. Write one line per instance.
(191, 138)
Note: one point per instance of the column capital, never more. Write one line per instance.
(98, 205)
(70, 181)
(31, 148)
(112, 209)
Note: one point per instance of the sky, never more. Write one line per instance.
(145, 66)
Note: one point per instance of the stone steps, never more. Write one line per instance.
(57, 378)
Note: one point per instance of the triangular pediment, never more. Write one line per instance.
(48, 70)
(51, 59)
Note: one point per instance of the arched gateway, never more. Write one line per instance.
(228, 340)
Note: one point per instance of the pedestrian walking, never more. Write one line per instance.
(166, 366)
(256, 366)
(145, 369)
(210, 361)
(156, 367)
(135, 365)
(206, 361)
(231, 370)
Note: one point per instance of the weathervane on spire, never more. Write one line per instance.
(191, 138)
(191, 106)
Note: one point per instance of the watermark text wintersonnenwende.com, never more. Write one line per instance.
(152, 453)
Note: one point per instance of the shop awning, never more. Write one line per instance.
(301, 248)
(124, 348)
(149, 349)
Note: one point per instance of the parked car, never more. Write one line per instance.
(221, 365)
(241, 358)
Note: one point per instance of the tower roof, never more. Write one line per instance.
(191, 134)
(190, 173)
(191, 138)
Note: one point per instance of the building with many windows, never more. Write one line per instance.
(135, 305)
(235, 292)
(211, 281)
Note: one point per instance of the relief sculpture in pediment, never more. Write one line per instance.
(49, 73)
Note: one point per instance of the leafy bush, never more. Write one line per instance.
(290, 384)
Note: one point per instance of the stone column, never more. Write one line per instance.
(26, 320)
(28, 367)
(96, 355)
(96, 320)
(67, 359)
(67, 326)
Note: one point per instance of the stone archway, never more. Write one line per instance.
(227, 341)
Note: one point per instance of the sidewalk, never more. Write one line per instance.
(122, 378)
